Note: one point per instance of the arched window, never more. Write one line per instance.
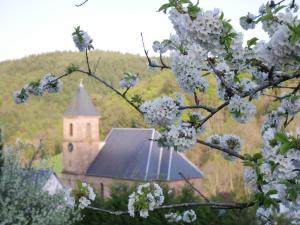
(71, 129)
(102, 190)
(88, 130)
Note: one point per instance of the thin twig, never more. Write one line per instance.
(36, 152)
(87, 60)
(193, 187)
(81, 3)
(207, 108)
(110, 87)
(150, 63)
(95, 68)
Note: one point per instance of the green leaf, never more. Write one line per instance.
(164, 7)
(284, 148)
(278, 9)
(281, 137)
(252, 41)
(271, 192)
(295, 36)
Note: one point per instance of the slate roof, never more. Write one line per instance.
(41, 176)
(81, 104)
(131, 154)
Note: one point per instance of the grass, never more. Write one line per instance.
(56, 163)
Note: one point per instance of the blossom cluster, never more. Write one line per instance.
(290, 105)
(129, 80)
(162, 111)
(49, 83)
(82, 40)
(146, 197)
(230, 142)
(279, 168)
(279, 50)
(183, 136)
(248, 22)
(88, 197)
(241, 109)
(188, 216)
(205, 29)
(187, 70)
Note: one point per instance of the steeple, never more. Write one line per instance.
(81, 133)
(81, 104)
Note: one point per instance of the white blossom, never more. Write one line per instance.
(129, 80)
(51, 83)
(205, 29)
(160, 47)
(163, 111)
(241, 109)
(189, 216)
(250, 178)
(173, 217)
(232, 143)
(83, 202)
(248, 22)
(81, 39)
(146, 197)
(187, 69)
(21, 96)
(181, 137)
(214, 139)
(291, 105)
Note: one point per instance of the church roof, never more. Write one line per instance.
(131, 154)
(81, 104)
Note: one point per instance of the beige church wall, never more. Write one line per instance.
(70, 180)
(80, 128)
(79, 159)
(85, 140)
(179, 184)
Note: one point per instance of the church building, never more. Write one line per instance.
(127, 155)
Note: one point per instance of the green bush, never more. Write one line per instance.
(205, 215)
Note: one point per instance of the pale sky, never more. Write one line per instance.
(39, 26)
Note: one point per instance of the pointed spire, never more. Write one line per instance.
(81, 83)
(81, 104)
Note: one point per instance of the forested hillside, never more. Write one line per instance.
(42, 116)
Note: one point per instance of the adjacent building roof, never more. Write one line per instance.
(81, 105)
(133, 154)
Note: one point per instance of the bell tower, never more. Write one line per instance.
(80, 134)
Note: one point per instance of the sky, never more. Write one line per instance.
(40, 26)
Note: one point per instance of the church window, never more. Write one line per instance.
(102, 190)
(71, 129)
(88, 130)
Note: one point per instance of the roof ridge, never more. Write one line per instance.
(81, 105)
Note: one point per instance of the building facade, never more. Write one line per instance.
(127, 155)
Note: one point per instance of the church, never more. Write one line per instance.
(127, 155)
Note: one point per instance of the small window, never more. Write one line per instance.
(71, 129)
(88, 130)
(102, 190)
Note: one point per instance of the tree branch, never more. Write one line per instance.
(229, 152)
(215, 205)
(193, 187)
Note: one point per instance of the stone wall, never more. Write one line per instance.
(103, 184)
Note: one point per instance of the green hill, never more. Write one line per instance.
(42, 116)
